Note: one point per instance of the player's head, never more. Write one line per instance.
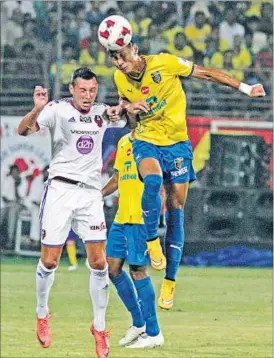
(126, 59)
(83, 87)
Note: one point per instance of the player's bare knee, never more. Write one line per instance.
(114, 267)
(50, 263)
(138, 272)
(97, 263)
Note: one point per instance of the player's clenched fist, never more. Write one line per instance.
(257, 90)
(40, 97)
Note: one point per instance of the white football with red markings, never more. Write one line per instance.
(114, 33)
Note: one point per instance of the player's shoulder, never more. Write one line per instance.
(158, 59)
(124, 140)
(119, 76)
(57, 103)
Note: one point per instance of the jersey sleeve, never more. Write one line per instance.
(46, 118)
(177, 66)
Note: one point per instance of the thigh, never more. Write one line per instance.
(136, 245)
(178, 163)
(89, 218)
(116, 241)
(147, 157)
(56, 212)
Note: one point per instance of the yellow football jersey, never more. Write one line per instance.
(160, 85)
(130, 188)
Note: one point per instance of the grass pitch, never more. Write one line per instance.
(219, 313)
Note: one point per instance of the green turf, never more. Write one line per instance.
(219, 313)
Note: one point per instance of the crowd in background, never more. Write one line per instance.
(235, 36)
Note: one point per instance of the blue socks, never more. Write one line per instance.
(151, 203)
(146, 296)
(174, 241)
(126, 291)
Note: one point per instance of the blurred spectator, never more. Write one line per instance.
(93, 55)
(229, 27)
(259, 37)
(199, 6)
(249, 45)
(228, 67)
(187, 17)
(69, 64)
(198, 32)
(29, 37)
(141, 21)
(13, 192)
(266, 21)
(82, 27)
(95, 14)
(43, 20)
(164, 14)
(23, 7)
(156, 38)
(264, 64)
(180, 47)
(213, 57)
(144, 47)
(241, 56)
(69, 34)
(105, 74)
(30, 66)
(13, 26)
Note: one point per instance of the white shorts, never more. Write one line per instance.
(66, 206)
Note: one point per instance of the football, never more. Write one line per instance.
(114, 33)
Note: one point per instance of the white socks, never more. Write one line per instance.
(44, 282)
(99, 293)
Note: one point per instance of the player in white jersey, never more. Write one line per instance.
(72, 195)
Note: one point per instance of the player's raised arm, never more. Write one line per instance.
(111, 185)
(211, 74)
(28, 125)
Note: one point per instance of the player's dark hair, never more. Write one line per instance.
(83, 72)
(114, 52)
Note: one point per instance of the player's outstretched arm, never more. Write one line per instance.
(211, 74)
(27, 125)
(111, 185)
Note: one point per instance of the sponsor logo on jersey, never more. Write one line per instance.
(128, 177)
(156, 76)
(100, 227)
(145, 90)
(178, 162)
(179, 172)
(85, 144)
(76, 131)
(72, 119)
(127, 166)
(129, 152)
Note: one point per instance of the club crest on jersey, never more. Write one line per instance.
(178, 163)
(156, 76)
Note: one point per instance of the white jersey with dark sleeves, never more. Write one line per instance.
(76, 140)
